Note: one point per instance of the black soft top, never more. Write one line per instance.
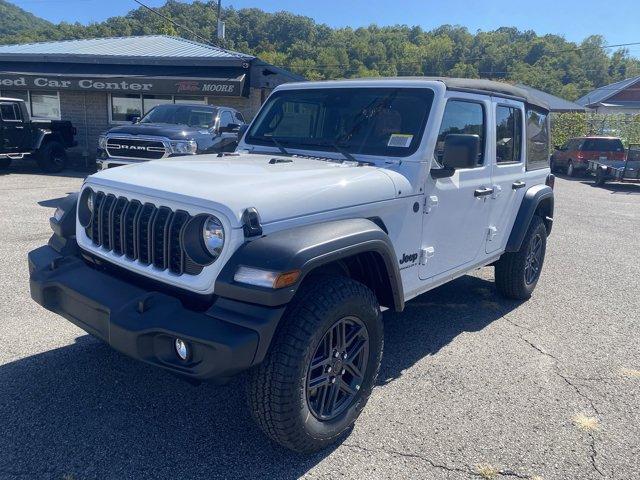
(492, 87)
(485, 87)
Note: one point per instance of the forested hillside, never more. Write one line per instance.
(317, 51)
(14, 20)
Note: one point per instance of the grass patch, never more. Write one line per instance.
(630, 372)
(586, 423)
(487, 471)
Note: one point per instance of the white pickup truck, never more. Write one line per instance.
(343, 199)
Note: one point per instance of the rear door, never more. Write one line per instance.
(12, 128)
(507, 171)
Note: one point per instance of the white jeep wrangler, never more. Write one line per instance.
(343, 199)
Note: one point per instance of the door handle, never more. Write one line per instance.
(483, 192)
(518, 185)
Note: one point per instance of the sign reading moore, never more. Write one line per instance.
(215, 86)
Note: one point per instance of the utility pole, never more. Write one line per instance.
(220, 22)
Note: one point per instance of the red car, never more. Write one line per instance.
(573, 157)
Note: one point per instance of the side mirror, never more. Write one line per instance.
(231, 128)
(557, 147)
(241, 131)
(461, 151)
(135, 119)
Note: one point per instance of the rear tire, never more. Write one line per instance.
(4, 163)
(51, 157)
(517, 273)
(571, 171)
(291, 392)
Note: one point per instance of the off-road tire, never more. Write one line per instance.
(277, 388)
(51, 157)
(510, 269)
(4, 163)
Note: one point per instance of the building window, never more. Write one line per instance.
(125, 107)
(39, 104)
(45, 105)
(150, 101)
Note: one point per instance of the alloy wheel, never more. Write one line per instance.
(533, 261)
(337, 368)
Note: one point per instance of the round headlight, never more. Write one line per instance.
(85, 207)
(213, 235)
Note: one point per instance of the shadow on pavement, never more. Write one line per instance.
(29, 167)
(618, 188)
(86, 411)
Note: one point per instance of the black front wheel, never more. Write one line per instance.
(517, 273)
(52, 157)
(321, 367)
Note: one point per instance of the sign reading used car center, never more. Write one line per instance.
(167, 85)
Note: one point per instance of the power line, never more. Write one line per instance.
(175, 24)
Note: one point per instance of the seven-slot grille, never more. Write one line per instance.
(135, 148)
(143, 232)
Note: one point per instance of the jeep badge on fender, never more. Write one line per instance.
(290, 248)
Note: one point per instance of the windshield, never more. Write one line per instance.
(192, 116)
(603, 145)
(370, 121)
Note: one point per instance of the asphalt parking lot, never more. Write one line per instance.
(471, 385)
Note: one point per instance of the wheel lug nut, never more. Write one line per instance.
(336, 354)
(343, 371)
(333, 379)
(329, 369)
(344, 355)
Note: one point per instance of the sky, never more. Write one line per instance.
(574, 19)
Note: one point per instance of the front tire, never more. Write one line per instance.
(571, 171)
(517, 273)
(52, 157)
(601, 178)
(321, 367)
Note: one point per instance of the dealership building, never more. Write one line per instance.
(103, 82)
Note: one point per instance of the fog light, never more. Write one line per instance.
(181, 349)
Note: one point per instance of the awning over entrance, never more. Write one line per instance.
(100, 77)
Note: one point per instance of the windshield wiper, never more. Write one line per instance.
(279, 145)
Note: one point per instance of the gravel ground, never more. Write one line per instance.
(471, 385)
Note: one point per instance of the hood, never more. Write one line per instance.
(282, 189)
(173, 132)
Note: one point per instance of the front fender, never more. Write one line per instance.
(307, 248)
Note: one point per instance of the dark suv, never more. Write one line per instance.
(171, 130)
(45, 141)
(573, 157)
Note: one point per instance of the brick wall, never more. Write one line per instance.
(87, 111)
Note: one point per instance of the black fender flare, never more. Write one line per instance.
(306, 248)
(536, 197)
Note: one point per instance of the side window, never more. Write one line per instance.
(10, 112)
(537, 139)
(508, 134)
(225, 118)
(462, 117)
(240, 117)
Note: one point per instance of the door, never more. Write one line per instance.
(507, 171)
(457, 208)
(12, 129)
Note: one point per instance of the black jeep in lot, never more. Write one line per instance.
(21, 136)
(171, 130)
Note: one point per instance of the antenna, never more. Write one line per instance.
(220, 22)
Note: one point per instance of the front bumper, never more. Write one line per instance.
(225, 339)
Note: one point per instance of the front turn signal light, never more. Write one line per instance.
(266, 278)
